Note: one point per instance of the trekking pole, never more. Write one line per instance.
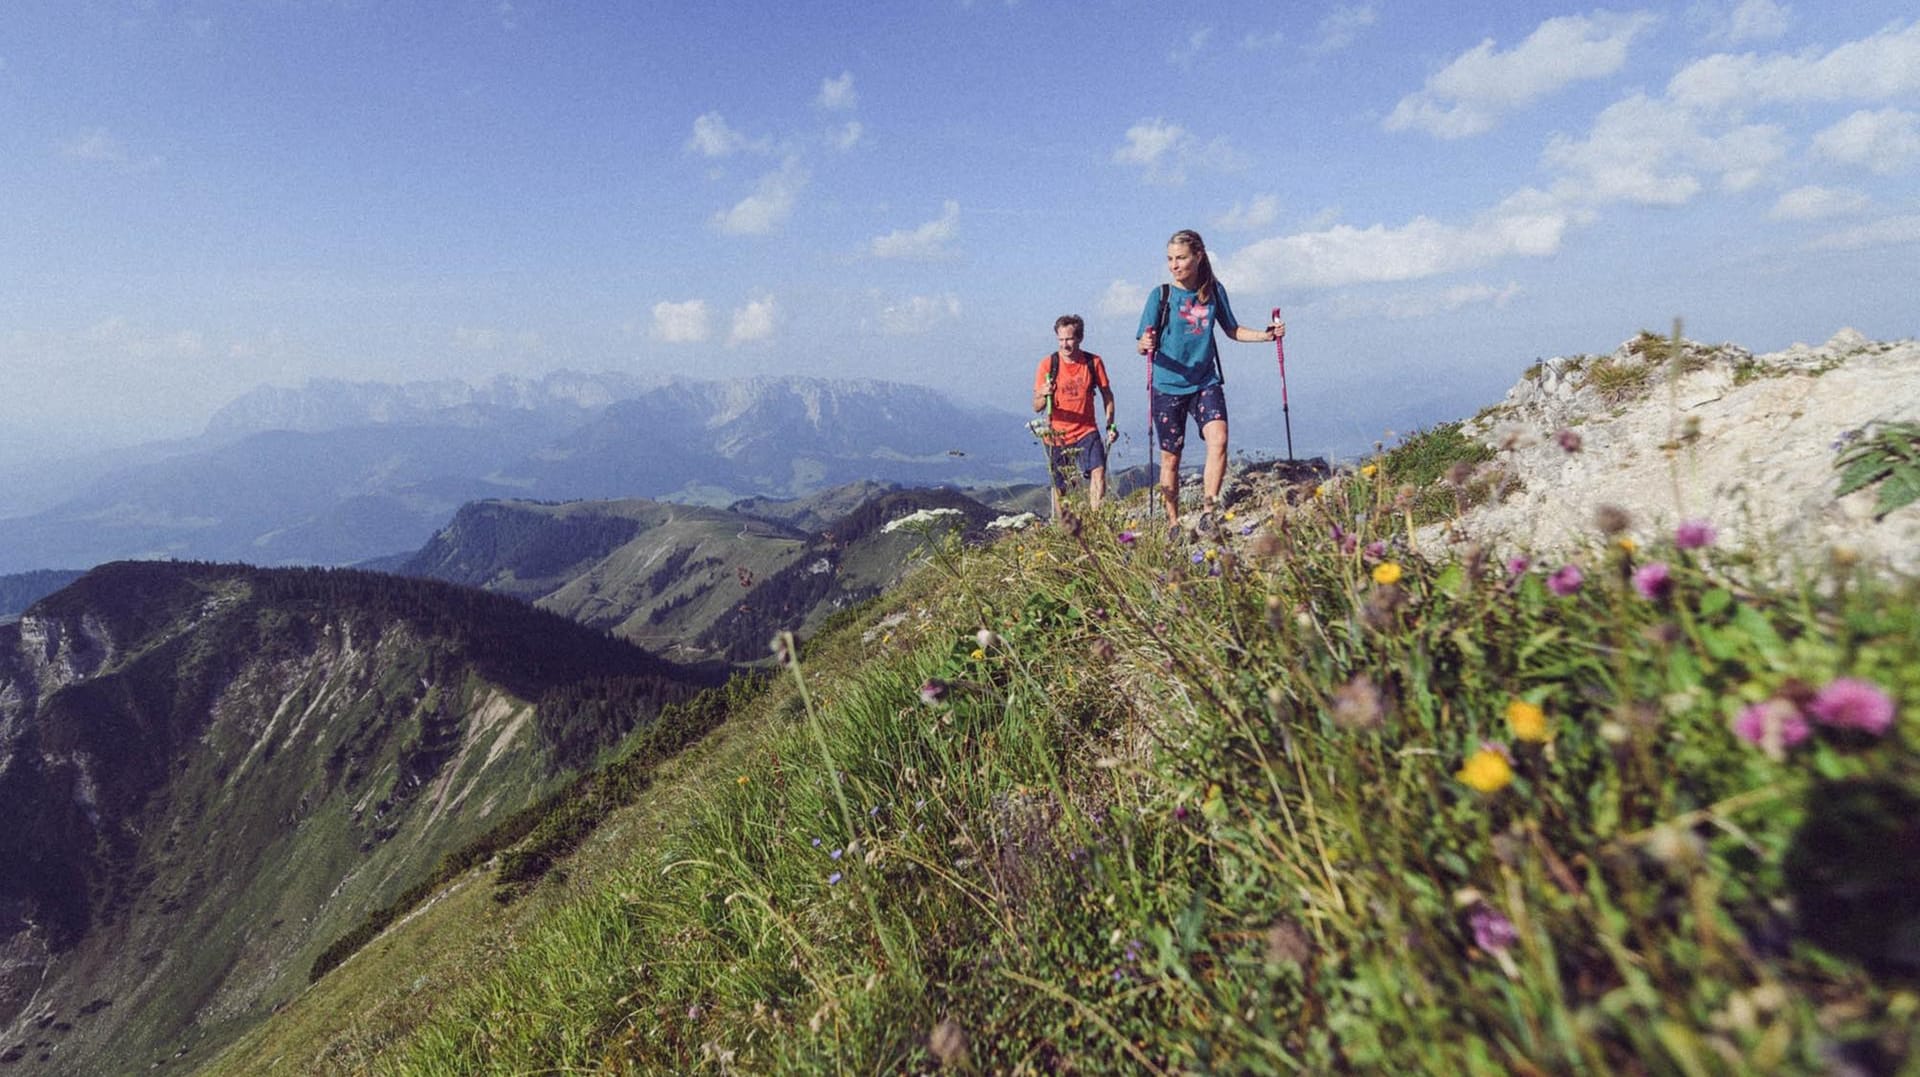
(1280, 351)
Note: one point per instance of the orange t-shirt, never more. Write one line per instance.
(1072, 415)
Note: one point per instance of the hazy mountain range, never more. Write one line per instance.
(337, 472)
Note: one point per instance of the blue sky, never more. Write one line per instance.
(201, 196)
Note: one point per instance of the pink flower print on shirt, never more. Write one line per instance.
(1197, 314)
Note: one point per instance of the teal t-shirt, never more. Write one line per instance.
(1187, 359)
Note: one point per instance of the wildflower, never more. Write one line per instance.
(816, 843)
(925, 518)
(1370, 470)
(987, 639)
(1320, 490)
(1357, 704)
(948, 1044)
(1375, 550)
(785, 648)
(1246, 529)
(1694, 535)
(1212, 555)
(933, 691)
(1653, 580)
(978, 655)
(1852, 703)
(1518, 566)
(1196, 557)
(1773, 725)
(1569, 440)
(1566, 580)
(1492, 931)
(1460, 473)
(1626, 544)
(1228, 515)
(1386, 573)
(741, 780)
(1128, 538)
(1102, 651)
(1611, 519)
(834, 879)
(1528, 721)
(836, 854)
(1487, 771)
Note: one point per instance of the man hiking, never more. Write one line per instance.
(1063, 386)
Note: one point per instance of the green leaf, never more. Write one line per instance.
(1862, 473)
(1901, 488)
(1715, 602)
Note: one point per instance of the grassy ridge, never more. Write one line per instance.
(1299, 805)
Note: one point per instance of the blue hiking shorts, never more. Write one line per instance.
(1170, 414)
(1088, 453)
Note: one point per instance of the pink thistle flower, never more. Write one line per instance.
(1518, 566)
(933, 692)
(1128, 538)
(1492, 931)
(1694, 535)
(1566, 580)
(1852, 703)
(1773, 724)
(1654, 581)
(1569, 440)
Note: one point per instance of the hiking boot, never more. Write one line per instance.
(1208, 526)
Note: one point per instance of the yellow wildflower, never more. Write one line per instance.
(1487, 771)
(1212, 555)
(742, 779)
(1229, 515)
(1370, 470)
(1386, 572)
(1320, 490)
(1529, 722)
(1626, 544)
(977, 654)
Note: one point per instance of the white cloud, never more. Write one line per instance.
(1527, 224)
(1341, 26)
(1749, 20)
(97, 146)
(1404, 306)
(1469, 95)
(713, 138)
(1880, 67)
(1247, 217)
(1887, 232)
(1190, 50)
(768, 207)
(918, 314)
(847, 137)
(927, 241)
(1816, 203)
(1259, 42)
(1886, 141)
(1648, 151)
(681, 323)
(1124, 299)
(837, 94)
(1163, 151)
(752, 322)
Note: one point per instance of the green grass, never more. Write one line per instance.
(1165, 820)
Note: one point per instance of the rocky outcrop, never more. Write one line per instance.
(1716, 433)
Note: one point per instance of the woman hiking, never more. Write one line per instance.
(1176, 330)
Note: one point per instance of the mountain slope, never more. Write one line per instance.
(212, 771)
(690, 583)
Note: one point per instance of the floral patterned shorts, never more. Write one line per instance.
(1170, 414)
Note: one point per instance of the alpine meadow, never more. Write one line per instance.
(963, 537)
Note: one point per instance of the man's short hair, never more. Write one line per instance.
(1079, 327)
